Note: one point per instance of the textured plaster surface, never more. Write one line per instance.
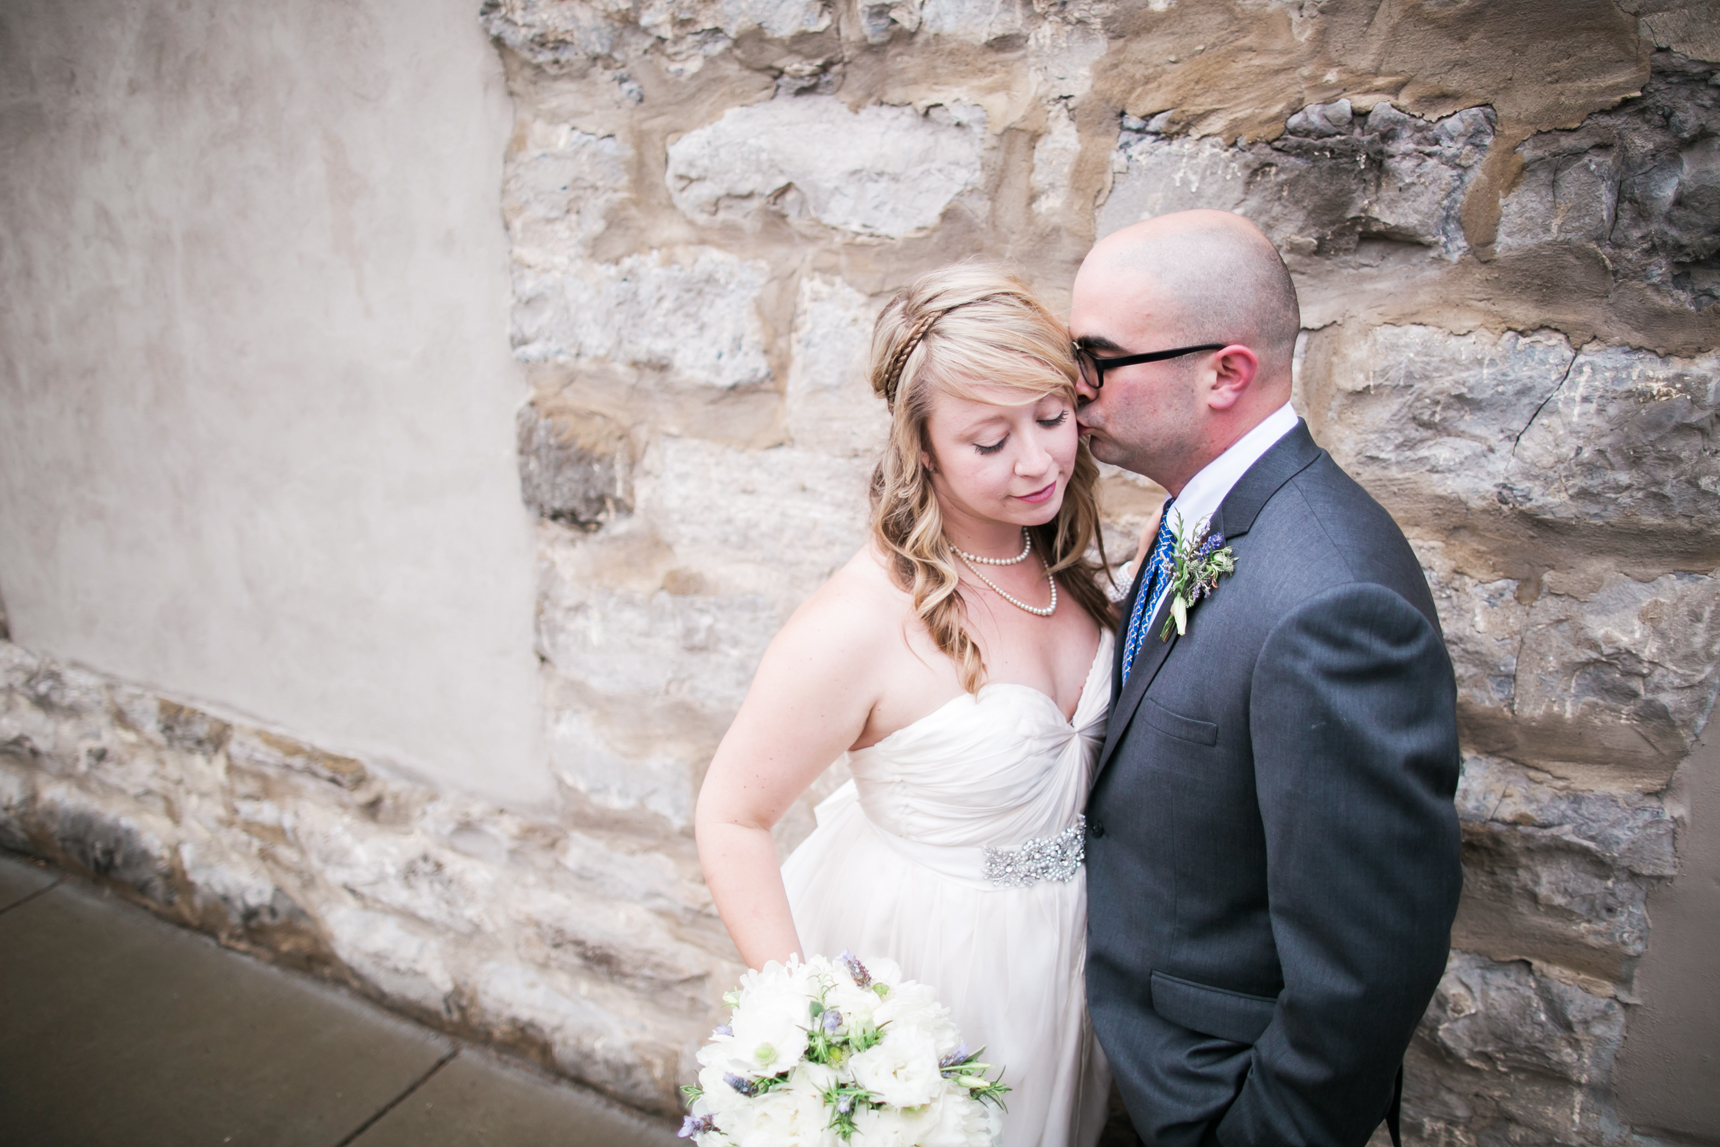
(1675, 1036)
(259, 402)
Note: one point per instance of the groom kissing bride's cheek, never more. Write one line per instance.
(1272, 848)
(1204, 841)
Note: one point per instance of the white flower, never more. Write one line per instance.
(901, 1069)
(885, 971)
(770, 1021)
(907, 998)
(856, 1007)
(718, 1096)
(847, 993)
(857, 1004)
(890, 1127)
(963, 1121)
(954, 1120)
(914, 1006)
(766, 1041)
(792, 1115)
(815, 1076)
(701, 1109)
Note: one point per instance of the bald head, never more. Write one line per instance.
(1186, 280)
(1217, 277)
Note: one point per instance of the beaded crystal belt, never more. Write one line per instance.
(1041, 858)
(1056, 857)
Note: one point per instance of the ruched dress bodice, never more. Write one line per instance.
(1000, 766)
(955, 852)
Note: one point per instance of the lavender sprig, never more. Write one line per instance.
(855, 969)
(691, 1127)
(1197, 562)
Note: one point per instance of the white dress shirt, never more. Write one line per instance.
(1206, 491)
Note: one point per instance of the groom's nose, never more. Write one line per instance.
(1084, 393)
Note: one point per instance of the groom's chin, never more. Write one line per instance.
(1101, 447)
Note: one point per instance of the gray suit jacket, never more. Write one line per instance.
(1272, 852)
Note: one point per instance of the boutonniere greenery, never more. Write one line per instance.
(1198, 560)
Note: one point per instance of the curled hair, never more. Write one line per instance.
(950, 330)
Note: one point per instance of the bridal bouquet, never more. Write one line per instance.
(823, 1053)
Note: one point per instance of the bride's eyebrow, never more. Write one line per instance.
(979, 424)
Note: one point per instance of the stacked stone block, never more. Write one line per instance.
(1506, 290)
(585, 946)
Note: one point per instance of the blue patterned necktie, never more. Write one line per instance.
(1154, 586)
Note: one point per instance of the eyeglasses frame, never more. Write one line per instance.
(1100, 365)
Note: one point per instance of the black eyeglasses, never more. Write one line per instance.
(1093, 369)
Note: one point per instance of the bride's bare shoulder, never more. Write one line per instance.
(860, 605)
(868, 573)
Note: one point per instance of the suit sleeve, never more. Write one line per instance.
(1353, 720)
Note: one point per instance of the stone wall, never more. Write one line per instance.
(583, 942)
(1504, 222)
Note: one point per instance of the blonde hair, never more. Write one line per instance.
(950, 330)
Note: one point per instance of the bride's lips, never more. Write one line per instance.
(1039, 495)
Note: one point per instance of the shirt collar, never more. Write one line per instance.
(1206, 491)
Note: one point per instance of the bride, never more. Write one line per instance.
(962, 661)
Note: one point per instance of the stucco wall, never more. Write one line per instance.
(257, 448)
(1670, 1061)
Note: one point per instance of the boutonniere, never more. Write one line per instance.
(1197, 562)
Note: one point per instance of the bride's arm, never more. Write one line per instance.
(809, 701)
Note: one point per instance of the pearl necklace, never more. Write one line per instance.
(1011, 599)
(1026, 548)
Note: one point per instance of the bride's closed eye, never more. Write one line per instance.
(1049, 423)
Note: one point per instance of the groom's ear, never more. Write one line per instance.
(1234, 369)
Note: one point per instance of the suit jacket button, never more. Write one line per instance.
(1096, 828)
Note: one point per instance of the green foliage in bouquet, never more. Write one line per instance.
(809, 1029)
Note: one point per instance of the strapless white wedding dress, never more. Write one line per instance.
(953, 852)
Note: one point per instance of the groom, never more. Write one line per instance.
(1272, 852)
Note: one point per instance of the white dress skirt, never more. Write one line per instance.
(953, 852)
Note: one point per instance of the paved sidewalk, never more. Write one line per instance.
(120, 1030)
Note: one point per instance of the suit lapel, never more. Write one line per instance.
(1289, 456)
(1141, 674)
